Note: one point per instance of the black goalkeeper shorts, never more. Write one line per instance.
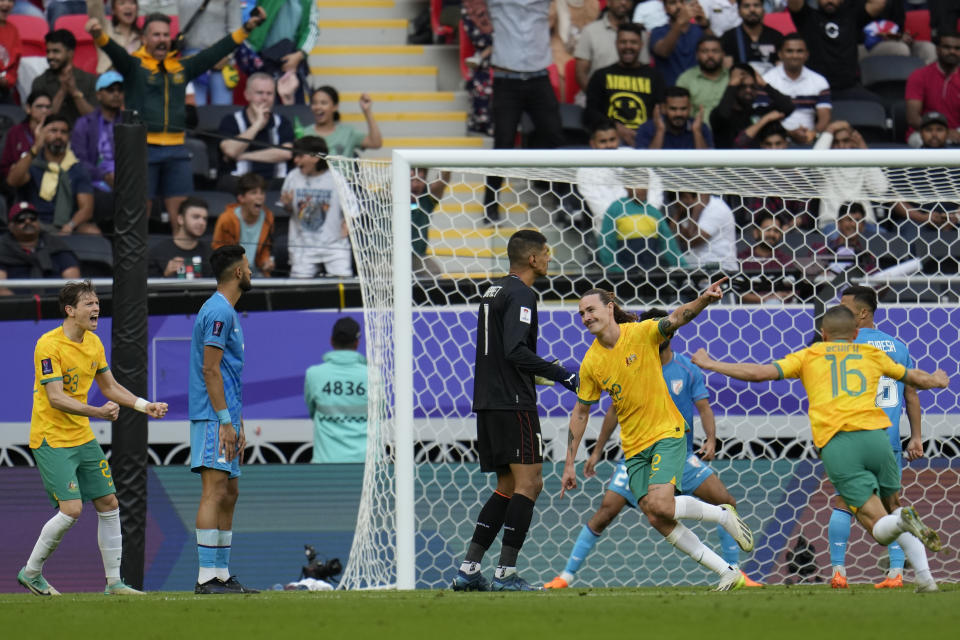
(508, 437)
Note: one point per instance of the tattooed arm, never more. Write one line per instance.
(684, 314)
(578, 424)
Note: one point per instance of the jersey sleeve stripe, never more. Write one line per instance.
(213, 344)
(46, 380)
(103, 369)
(588, 402)
(779, 371)
(904, 378)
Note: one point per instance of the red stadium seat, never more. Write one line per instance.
(32, 30)
(85, 57)
(917, 24)
(570, 86)
(554, 73)
(441, 32)
(466, 50)
(174, 25)
(781, 21)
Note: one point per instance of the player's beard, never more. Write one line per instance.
(245, 284)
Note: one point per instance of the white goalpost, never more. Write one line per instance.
(422, 488)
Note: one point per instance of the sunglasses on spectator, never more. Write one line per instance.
(25, 217)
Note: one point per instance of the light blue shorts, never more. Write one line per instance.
(695, 471)
(204, 447)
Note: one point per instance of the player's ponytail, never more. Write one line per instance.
(606, 297)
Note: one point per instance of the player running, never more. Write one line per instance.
(72, 465)
(841, 379)
(624, 361)
(892, 395)
(687, 387)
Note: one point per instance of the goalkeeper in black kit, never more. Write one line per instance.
(505, 399)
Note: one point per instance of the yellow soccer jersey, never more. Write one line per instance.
(841, 381)
(57, 357)
(631, 373)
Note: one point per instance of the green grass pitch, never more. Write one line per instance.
(807, 612)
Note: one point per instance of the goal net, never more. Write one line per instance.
(791, 229)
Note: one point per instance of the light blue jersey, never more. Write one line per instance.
(687, 385)
(889, 391)
(217, 325)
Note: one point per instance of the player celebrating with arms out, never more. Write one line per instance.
(72, 465)
(505, 399)
(892, 396)
(624, 361)
(216, 418)
(841, 379)
(688, 390)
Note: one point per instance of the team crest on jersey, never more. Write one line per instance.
(631, 358)
(46, 366)
(217, 327)
(676, 386)
(71, 486)
(93, 365)
(525, 315)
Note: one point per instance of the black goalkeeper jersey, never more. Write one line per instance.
(507, 360)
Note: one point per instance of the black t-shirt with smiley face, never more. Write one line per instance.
(624, 94)
(832, 40)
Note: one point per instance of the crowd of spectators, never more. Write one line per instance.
(653, 74)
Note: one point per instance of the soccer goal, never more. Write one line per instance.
(791, 229)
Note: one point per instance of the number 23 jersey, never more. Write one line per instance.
(841, 380)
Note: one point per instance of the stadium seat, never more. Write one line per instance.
(887, 76)
(94, 253)
(571, 123)
(174, 25)
(441, 32)
(209, 116)
(554, 73)
(199, 157)
(295, 112)
(898, 117)
(217, 201)
(570, 86)
(781, 21)
(85, 57)
(466, 50)
(32, 30)
(867, 117)
(59, 8)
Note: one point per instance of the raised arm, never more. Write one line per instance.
(685, 313)
(578, 424)
(747, 371)
(118, 393)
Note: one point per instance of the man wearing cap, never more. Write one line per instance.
(336, 397)
(936, 87)
(934, 130)
(92, 142)
(28, 252)
(155, 81)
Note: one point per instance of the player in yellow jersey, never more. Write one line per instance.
(67, 360)
(849, 430)
(624, 361)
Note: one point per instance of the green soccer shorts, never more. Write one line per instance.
(660, 463)
(861, 464)
(74, 473)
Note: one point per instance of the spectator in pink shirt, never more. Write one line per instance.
(936, 87)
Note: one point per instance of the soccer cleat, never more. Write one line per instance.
(737, 528)
(731, 581)
(37, 585)
(233, 585)
(513, 582)
(929, 587)
(213, 585)
(470, 582)
(556, 583)
(120, 588)
(838, 581)
(895, 582)
(911, 521)
(748, 582)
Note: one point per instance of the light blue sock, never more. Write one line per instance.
(838, 533)
(222, 563)
(897, 556)
(581, 549)
(207, 543)
(729, 549)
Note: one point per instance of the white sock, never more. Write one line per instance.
(688, 542)
(566, 575)
(916, 553)
(688, 508)
(502, 572)
(110, 541)
(50, 536)
(887, 529)
(839, 568)
(469, 568)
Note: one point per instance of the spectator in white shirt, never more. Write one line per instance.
(708, 226)
(601, 186)
(722, 14)
(651, 14)
(809, 91)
